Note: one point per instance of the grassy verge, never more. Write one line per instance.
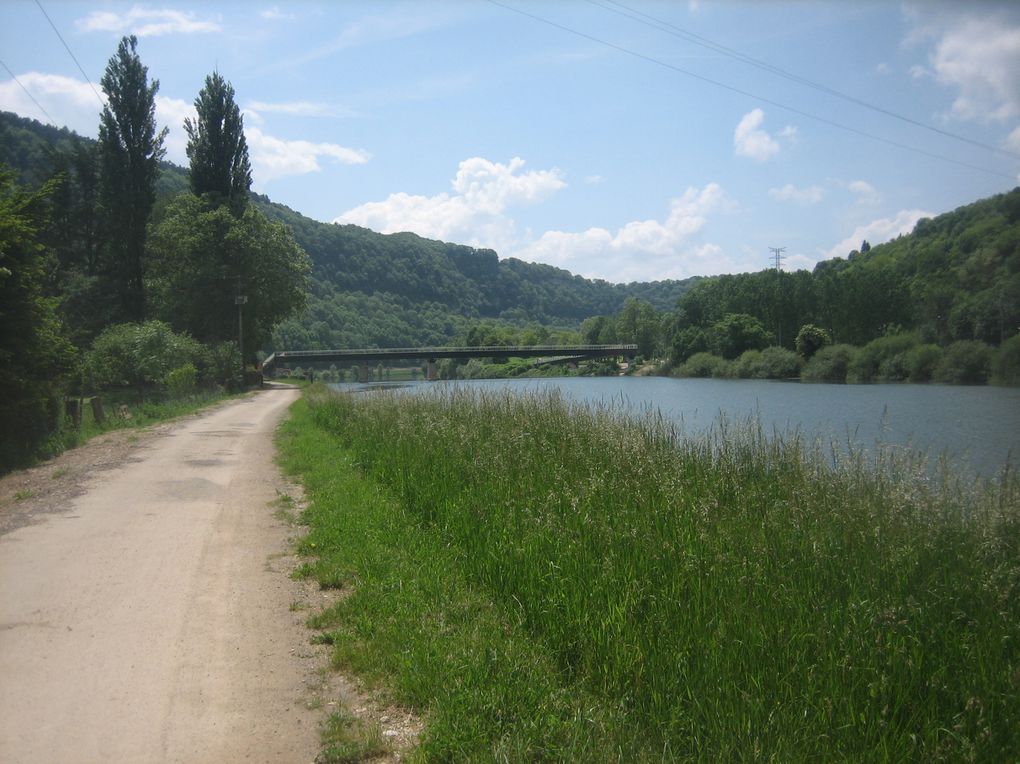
(123, 411)
(549, 582)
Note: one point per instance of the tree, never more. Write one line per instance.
(811, 339)
(736, 332)
(200, 258)
(130, 150)
(220, 170)
(35, 356)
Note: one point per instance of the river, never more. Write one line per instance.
(976, 428)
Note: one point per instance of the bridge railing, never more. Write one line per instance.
(447, 351)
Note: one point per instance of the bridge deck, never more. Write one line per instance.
(293, 357)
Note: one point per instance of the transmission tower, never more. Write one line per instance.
(778, 257)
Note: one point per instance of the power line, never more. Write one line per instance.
(778, 256)
(748, 94)
(676, 31)
(68, 49)
(39, 105)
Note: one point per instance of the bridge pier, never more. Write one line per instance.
(363, 373)
(430, 370)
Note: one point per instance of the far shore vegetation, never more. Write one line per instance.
(546, 581)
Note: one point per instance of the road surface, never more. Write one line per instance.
(148, 619)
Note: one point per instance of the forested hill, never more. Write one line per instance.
(370, 289)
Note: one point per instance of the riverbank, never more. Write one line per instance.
(553, 582)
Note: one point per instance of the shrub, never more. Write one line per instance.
(736, 332)
(223, 366)
(965, 362)
(703, 365)
(748, 366)
(180, 382)
(830, 364)
(921, 361)
(877, 361)
(1006, 365)
(779, 363)
(139, 355)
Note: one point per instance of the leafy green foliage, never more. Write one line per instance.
(34, 352)
(202, 257)
(811, 339)
(830, 364)
(965, 362)
(736, 332)
(181, 382)
(140, 355)
(1006, 369)
(130, 150)
(217, 149)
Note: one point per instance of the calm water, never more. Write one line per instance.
(977, 428)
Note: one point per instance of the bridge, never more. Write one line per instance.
(288, 358)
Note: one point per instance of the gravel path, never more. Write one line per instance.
(146, 614)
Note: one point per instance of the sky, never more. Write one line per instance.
(628, 141)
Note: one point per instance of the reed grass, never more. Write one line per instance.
(740, 595)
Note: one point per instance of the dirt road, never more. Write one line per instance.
(149, 619)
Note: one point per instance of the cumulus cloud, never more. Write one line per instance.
(68, 101)
(172, 112)
(749, 140)
(974, 51)
(640, 250)
(866, 193)
(878, 231)
(790, 193)
(474, 212)
(273, 157)
(147, 22)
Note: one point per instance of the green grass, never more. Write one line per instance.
(549, 582)
(135, 414)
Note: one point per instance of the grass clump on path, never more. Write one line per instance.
(551, 582)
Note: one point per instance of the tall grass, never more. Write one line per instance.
(731, 596)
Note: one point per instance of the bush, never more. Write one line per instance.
(921, 361)
(779, 363)
(180, 382)
(139, 355)
(965, 362)
(748, 366)
(1006, 365)
(882, 360)
(223, 366)
(830, 364)
(703, 365)
(736, 332)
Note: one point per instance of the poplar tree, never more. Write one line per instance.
(217, 150)
(130, 150)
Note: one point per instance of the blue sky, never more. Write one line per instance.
(625, 140)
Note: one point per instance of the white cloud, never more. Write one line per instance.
(879, 231)
(594, 180)
(640, 250)
(474, 213)
(790, 193)
(1013, 140)
(273, 158)
(147, 22)
(171, 113)
(275, 14)
(975, 51)
(751, 141)
(866, 193)
(70, 102)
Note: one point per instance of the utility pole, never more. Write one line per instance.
(240, 300)
(778, 257)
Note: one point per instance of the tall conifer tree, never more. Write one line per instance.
(130, 150)
(220, 170)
